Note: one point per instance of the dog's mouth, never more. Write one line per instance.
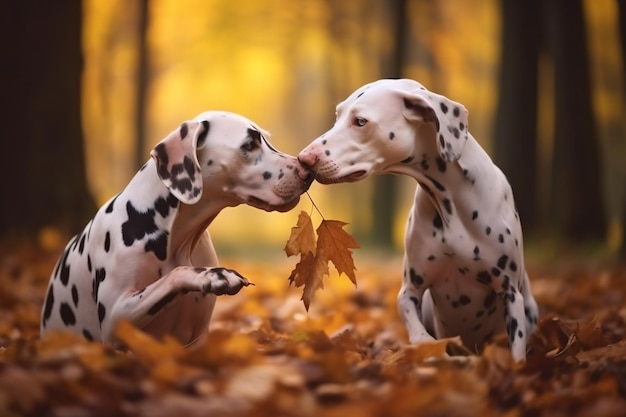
(264, 205)
(351, 177)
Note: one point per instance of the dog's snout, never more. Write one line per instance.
(308, 159)
(305, 174)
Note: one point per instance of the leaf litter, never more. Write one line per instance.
(267, 356)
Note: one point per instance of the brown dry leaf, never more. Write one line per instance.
(333, 245)
(302, 238)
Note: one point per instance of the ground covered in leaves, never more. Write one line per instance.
(346, 356)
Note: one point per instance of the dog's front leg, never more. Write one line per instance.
(153, 302)
(410, 307)
(516, 327)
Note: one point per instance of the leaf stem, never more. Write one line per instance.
(314, 205)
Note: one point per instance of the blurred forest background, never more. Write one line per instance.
(90, 86)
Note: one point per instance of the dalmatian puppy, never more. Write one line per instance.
(146, 255)
(464, 265)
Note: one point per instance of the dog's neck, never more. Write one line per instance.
(454, 187)
(185, 223)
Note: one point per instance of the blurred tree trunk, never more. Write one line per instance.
(386, 186)
(575, 199)
(143, 62)
(43, 169)
(515, 137)
(622, 32)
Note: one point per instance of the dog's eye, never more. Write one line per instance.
(250, 145)
(359, 121)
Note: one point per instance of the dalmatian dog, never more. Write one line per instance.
(464, 265)
(146, 255)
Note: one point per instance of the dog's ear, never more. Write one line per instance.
(449, 118)
(177, 162)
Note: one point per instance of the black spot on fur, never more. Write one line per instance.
(109, 208)
(464, 300)
(65, 270)
(501, 238)
(447, 205)
(202, 136)
(495, 272)
(512, 329)
(488, 230)
(513, 266)
(158, 246)
(267, 175)
(75, 295)
(159, 305)
(67, 314)
(490, 299)
(162, 160)
(455, 131)
(102, 311)
(107, 242)
(502, 261)
(47, 310)
(391, 135)
(138, 224)
(476, 252)
(437, 223)
(436, 184)
(444, 108)
(456, 111)
(484, 277)
(474, 215)
(327, 152)
(441, 164)
(172, 200)
(360, 94)
(184, 130)
(87, 335)
(416, 303)
(407, 160)
(88, 263)
(431, 257)
(81, 245)
(416, 280)
(100, 276)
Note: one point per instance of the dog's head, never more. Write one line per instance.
(384, 126)
(229, 157)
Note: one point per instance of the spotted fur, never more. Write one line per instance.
(464, 264)
(146, 256)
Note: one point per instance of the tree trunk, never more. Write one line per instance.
(386, 186)
(622, 26)
(43, 169)
(515, 136)
(576, 202)
(143, 62)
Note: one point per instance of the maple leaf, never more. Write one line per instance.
(333, 245)
(302, 238)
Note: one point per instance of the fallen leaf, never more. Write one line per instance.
(302, 238)
(333, 245)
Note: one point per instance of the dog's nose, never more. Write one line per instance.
(308, 159)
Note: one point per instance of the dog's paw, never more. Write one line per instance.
(220, 281)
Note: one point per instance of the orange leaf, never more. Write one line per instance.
(302, 238)
(335, 243)
(309, 272)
